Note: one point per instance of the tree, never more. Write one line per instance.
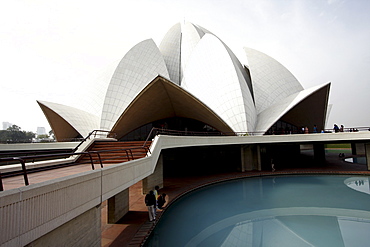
(43, 136)
(14, 134)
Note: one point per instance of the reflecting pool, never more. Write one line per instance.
(270, 211)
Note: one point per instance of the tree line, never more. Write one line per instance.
(14, 134)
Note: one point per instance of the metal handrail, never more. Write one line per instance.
(155, 131)
(22, 160)
(95, 133)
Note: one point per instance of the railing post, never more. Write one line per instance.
(1, 183)
(23, 169)
(96, 152)
(128, 156)
(91, 160)
(132, 156)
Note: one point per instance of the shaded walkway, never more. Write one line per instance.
(134, 227)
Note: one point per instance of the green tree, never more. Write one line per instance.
(14, 134)
(43, 136)
(4, 136)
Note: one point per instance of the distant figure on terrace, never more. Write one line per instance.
(341, 128)
(336, 128)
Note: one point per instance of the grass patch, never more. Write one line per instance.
(338, 146)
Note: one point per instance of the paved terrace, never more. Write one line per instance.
(80, 192)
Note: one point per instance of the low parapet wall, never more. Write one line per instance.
(31, 212)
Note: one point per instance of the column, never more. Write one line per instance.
(118, 206)
(319, 152)
(367, 151)
(250, 158)
(156, 178)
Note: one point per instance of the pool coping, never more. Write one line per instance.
(147, 228)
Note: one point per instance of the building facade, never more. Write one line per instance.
(193, 81)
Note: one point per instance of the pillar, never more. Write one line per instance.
(250, 158)
(156, 178)
(367, 151)
(118, 206)
(358, 148)
(319, 152)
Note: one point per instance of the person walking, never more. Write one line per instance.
(151, 202)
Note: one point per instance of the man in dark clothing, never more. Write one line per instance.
(150, 202)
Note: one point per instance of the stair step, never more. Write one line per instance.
(114, 152)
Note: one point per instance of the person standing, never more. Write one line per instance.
(161, 200)
(151, 202)
(156, 188)
(336, 128)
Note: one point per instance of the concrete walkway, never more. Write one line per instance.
(134, 227)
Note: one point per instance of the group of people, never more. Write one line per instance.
(337, 129)
(154, 201)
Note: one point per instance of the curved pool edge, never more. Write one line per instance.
(147, 228)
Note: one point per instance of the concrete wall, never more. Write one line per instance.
(32, 211)
(155, 179)
(83, 231)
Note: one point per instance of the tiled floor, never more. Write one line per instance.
(34, 178)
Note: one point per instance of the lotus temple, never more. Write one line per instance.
(193, 81)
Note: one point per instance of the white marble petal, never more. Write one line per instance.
(137, 68)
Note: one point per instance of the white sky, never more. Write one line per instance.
(49, 50)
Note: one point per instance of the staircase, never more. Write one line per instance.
(115, 152)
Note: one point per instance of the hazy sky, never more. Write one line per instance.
(50, 50)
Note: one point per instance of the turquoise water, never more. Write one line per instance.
(270, 211)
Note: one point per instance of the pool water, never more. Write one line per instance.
(270, 211)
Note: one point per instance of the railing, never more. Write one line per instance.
(285, 132)
(24, 172)
(160, 131)
(32, 153)
(95, 133)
